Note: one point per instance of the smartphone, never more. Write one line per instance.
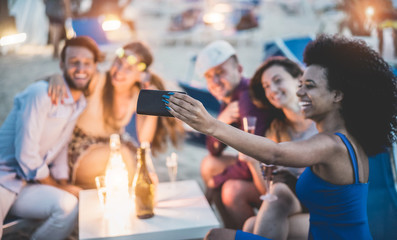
(150, 103)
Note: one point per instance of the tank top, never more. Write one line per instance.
(336, 211)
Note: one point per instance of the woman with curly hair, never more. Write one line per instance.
(111, 103)
(350, 92)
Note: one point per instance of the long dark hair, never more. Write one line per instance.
(143, 52)
(369, 105)
(257, 91)
(167, 128)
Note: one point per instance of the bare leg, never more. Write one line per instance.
(272, 219)
(220, 233)
(249, 224)
(210, 167)
(213, 165)
(217, 199)
(239, 198)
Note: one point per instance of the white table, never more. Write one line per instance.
(182, 212)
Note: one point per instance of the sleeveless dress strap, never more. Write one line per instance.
(351, 153)
(240, 235)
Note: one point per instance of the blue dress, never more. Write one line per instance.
(336, 211)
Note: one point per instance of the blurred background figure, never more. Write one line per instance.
(186, 20)
(247, 21)
(58, 12)
(355, 16)
(113, 8)
(386, 17)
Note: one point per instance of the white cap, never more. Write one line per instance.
(212, 55)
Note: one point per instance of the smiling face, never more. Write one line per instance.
(223, 79)
(79, 67)
(125, 71)
(315, 98)
(280, 88)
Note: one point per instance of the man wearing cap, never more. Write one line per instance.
(228, 179)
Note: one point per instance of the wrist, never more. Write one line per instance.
(211, 131)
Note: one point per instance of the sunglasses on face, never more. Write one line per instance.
(131, 59)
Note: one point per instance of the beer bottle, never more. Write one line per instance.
(149, 164)
(144, 188)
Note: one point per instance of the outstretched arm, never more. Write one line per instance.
(294, 154)
(194, 114)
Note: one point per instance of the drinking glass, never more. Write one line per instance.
(100, 182)
(172, 165)
(249, 123)
(267, 173)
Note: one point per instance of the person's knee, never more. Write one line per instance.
(67, 206)
(207, 164)
(233, 192)
(207, 169)
(285, 197)
(281, 190)
(249, 224)
(214, 165)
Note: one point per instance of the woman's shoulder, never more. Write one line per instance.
(336, 166)
(327, 145)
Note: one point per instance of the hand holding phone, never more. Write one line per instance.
(150, 102)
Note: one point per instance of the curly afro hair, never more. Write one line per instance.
(369, 106)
